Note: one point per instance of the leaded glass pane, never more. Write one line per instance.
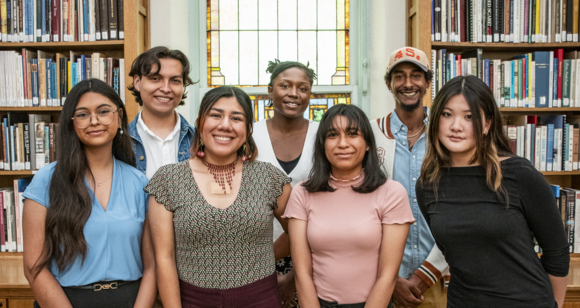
(287, 50)
(306, 15)
(228, 14)
(287, 15)
(268, 14)
(248, 58)
(244, 35)
(248, 14)
(319, 104)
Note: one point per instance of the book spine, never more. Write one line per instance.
(566, 83)
(56, 21)
(121, 22)
(26, 137)
(51, 147)
(97, 8)
(550, 148)
(2, 223)
(113, 19)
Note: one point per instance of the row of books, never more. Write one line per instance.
(61, 20)
(28, 141)
(550, 142)
(36, 78)
(568, 202)
(538, 79)
(11, 205)
(509, 21)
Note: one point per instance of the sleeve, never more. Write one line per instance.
(544, 220)
(159, 187)
(297, 206)
(395, 208)
(144, 182)
(433, 268)
(38, 189)
(277, 181)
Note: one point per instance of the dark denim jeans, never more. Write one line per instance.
(326, 304)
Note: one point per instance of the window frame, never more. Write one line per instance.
(359, 46)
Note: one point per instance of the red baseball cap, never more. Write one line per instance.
(408, 54)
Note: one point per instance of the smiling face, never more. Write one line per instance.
(290, 93)
(162, 92)
(345, 148)
(456, 131)
(97, 134)
(224, 131)
(408, 85)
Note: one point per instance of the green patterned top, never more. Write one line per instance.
(215, 248)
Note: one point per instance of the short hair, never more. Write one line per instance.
(319, 176)
(428, 75)
(276, 67)
(208, 100)
(143, 64)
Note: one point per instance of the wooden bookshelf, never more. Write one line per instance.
(14, 289)
(32, 109)
(418, 23)
(526, 111)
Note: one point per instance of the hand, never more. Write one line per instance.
(419, 283)
(406, 294)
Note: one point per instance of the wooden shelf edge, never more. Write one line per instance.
(31, 108)
(11, 255)
(505, 45)
(532, 110)
(18, 172)
(577, 172)
(62, 44)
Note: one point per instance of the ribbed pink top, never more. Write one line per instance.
(345, 232)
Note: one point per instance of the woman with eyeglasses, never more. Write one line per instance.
(85, 216)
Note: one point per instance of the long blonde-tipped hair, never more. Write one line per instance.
(489, 147)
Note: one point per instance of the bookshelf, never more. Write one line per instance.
(418, 25)
(14, 289)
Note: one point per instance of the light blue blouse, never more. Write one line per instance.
(113, 236)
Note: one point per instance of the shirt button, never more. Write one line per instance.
(414, 179)
(415, 223)
(403, 128)
(415, 200)
(413, 156)
(181, 153)
(404, 143)
(141, 157)
(415, 246)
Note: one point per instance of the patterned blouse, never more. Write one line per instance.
(215, 248)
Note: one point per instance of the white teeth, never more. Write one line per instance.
(165, 99)
(223, 138)
(409, 94)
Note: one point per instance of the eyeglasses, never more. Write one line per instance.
(82, 119)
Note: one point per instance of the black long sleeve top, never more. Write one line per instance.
(489, 245)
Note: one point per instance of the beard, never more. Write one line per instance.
(412, 107)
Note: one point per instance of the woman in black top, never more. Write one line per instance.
(485, 206)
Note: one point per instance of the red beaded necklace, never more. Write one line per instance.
(222, 174)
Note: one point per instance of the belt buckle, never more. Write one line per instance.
(107, 286)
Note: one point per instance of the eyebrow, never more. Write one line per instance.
(101, 105)
(468, 110)
(300, 82)
(222, 111)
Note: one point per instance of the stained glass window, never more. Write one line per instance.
(319, 103)
(243, 35)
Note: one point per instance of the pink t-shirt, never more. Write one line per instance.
(345, 232)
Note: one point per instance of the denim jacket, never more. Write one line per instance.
(185, 137)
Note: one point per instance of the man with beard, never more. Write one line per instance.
(401, 139)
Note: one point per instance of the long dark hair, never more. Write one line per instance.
(69, 197)
(320, 173)
(209, 99)
(489, 147)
